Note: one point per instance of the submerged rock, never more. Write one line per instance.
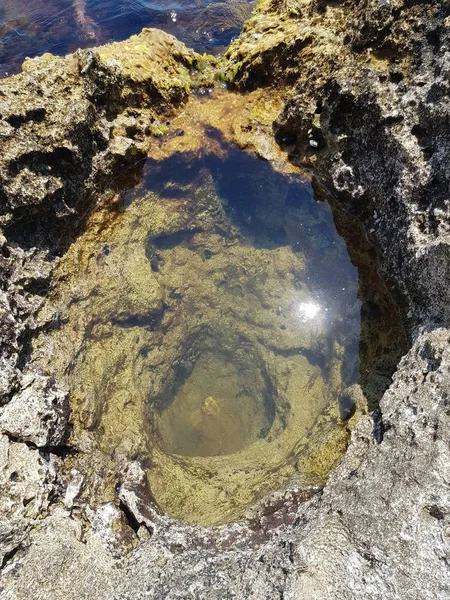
(190, 367)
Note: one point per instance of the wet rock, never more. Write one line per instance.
(25, 275)
(346, 407)
(351, 399)
(56, 128)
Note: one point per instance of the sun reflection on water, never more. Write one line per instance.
(308, 311)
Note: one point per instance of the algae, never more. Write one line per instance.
(210, 327)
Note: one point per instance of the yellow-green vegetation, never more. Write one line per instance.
(204, 61)
(221, 77)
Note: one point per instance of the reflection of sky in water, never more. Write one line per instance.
(32, 28)
(161, 5)
(323, 309)
(273, 212)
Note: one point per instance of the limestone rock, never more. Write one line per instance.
(55, 126)
(372, 78)
(38, 414)
(73, 488)
(27, 482)
(12, 534)
(110, 524)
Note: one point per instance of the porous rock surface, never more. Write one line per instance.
(367, 107)
(369, 112)
(67, 127)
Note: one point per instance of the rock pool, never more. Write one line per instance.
(215, 328)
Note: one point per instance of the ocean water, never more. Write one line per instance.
(28, 29)
(221, 328)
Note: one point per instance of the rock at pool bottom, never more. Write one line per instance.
(231, 417)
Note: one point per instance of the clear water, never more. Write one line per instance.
(30, 28)
(217, 328)
(221, 408)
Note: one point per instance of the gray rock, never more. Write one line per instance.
(109, 524)
(385, 506)
(12, 534)
(27, 481)
(73, 488)
(38, 414)
(377, 76)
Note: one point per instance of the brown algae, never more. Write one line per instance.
(210, 329)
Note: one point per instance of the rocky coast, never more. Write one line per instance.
(356, 93)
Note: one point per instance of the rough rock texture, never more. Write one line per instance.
(379, 530)
(27, 483)
(68, 127)
(38, 413)
(67, 123)
(369, 112)
(368, 108)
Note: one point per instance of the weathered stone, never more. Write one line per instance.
(133, 494)
(110, 524)
(372, 80)
(27, 483)
(38, 414)
(12, 534)
(73, 488)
